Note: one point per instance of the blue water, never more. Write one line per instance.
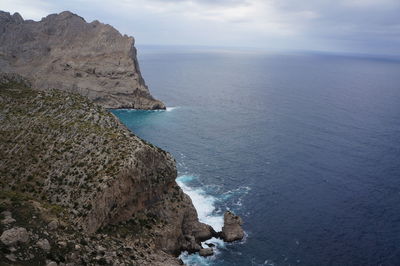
(306, 148)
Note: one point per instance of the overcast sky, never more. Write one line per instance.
(361, 26)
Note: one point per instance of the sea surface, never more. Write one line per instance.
(305, 147)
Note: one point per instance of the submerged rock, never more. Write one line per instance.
(205, 252)
(210, 245)
(232, 229)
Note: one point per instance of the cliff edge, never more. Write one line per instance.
(78, 187)
(63, 51)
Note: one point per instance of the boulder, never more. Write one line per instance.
(232, 229)
(53, 225)
(43, 244)
(14, 235)
(205, 252)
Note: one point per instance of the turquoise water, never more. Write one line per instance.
(306, 148)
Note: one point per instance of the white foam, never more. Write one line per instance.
(203, 203)
(205, 207)
(169, 109)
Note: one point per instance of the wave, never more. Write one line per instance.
(169, 109)
(206, 206)
(130, 110)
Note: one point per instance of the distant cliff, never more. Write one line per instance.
(78, 187)
(63, 51)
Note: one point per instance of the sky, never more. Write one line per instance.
(352, 26)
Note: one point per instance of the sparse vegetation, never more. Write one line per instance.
(59, 153)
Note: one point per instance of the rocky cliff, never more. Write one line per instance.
(63, 51)
(78, 187)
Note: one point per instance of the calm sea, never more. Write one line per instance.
(305, 147)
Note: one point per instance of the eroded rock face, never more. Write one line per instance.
(232, 229)
(63, 51)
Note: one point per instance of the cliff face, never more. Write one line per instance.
(67, 161)
(63, 51)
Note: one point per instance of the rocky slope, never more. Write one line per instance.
(63, 51)
(78, 187)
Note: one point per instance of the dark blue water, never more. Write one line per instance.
(306, 148)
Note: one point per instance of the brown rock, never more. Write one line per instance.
(53, 225)
(14, 235)
(232, 229)
(205, 252)
(43, 244)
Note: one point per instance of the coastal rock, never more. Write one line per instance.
(205, 252)
(70, 160)
(63, 51)
(14, 235)
(232, 229)
(190, 244)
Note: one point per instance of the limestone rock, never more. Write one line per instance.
(232, 229)
(14, 235)
(205, 252)
(99, 176)
(53, 225)
(63, 51)
(43, 244)
(190, 244)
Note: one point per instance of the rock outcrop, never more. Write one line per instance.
(14, 236)
(205, 252)
(65, 52)
(82, 188)
(232, 229)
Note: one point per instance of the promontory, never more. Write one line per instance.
(64, 52)
(77, 187)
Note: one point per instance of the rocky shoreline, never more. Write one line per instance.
(78, 188)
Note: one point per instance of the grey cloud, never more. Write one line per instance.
(209, 2)
(365, 25)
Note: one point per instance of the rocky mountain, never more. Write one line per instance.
(65, 52)
(78, 188)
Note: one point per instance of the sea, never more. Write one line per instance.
(305, 147)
